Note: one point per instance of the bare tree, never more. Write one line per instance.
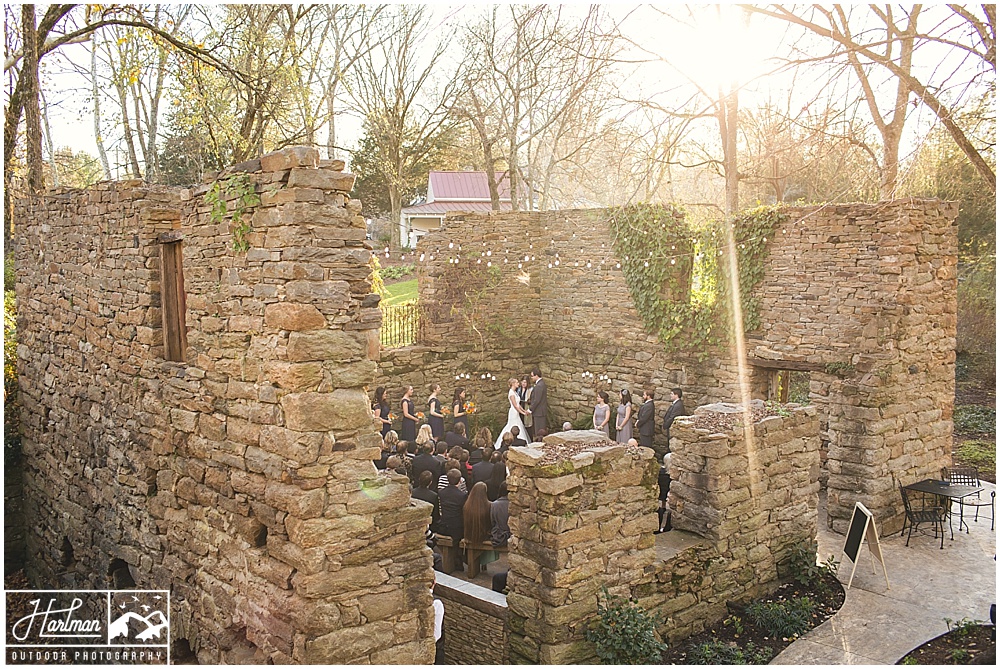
(892, 48)
(403, 90)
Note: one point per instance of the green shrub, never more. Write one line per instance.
(625, 633)
(718, 652)
(980, 454)
(396, 272)
(802, 567)
(782, 619)
(974, 419)
(9, 278)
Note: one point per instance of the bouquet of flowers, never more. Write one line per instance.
(446, 411)
(420, 415)
(470, 407)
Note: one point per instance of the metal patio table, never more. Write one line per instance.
(945, 489)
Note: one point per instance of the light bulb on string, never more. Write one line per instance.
(451, 245)
(489, 263)
(421, 257)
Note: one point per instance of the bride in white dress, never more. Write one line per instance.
(514, 413)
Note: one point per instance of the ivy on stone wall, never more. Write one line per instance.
(241, 191)
(677, 276)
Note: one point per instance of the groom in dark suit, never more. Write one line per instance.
(676, 409)
(539, 405)
(645, 419)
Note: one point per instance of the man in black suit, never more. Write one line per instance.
(676, 409)
(645, 419)
(515, 432)
(452, 502)
(426, 462)
(539, 405)
(424, 492)
(483, 470)
(457, 436)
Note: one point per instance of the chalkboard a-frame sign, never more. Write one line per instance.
(863, 528)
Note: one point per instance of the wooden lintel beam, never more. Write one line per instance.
(791, 365)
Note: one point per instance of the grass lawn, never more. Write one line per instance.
(404, 291)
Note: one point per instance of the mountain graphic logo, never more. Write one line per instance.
(120, 626)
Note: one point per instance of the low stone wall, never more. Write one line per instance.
(582, 517)
(475, 622)
(13, 517)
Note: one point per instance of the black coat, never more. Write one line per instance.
(645, 423)
(452, 502)
(454, 439)
(482, 471)
(676, 409)
(426, 462)
(428, 495)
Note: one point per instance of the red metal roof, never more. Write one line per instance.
(464, 186)
(437, 207)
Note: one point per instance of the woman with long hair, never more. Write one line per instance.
(485, 434)
(524, 394)
(623, 424)
(435, 418)
(409, 431)
(497, 476)
(424, 434)
(381, 410)
(477, 521)
(514, 412)
(458, 409)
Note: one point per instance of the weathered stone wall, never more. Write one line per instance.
(475, 622)
(580, 519)
(864, 297)
(861, 296)
(241, 478)
(13, 517)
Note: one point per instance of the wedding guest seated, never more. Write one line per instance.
(465, 468)
(403, 451)
(389, 442)
(424, 492)
(476, 454)
(477, 521)
(424, 435)
(452, 500)
(394, 464)
(515, 432)
(426, 461)
(456, 436)
(485, 434)
(499, 517)
(441, 452)
(482, 470)
(448, 466)
(498, 476)
(507, 440)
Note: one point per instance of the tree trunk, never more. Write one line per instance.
(47, 133)
(728, 125)
(95, 91)
(32, 114)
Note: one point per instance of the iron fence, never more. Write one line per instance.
(400, 325)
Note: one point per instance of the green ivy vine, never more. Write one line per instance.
(241, 191)
(678, 276)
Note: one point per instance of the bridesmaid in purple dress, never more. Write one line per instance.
(623, 424)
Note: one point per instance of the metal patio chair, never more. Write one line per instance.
(970, 476)
(934, 515)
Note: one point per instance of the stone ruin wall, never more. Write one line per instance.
(586, 522)
(861, 297)
(241, 479)
(864, 298)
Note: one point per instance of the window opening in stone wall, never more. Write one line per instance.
(785, 385)
(120, 574)
(174, 303)
(66, 557)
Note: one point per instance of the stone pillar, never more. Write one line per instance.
(582, 514)
(753, 498)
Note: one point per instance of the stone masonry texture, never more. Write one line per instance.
(241, 478)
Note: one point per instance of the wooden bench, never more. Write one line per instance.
(473, 553)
